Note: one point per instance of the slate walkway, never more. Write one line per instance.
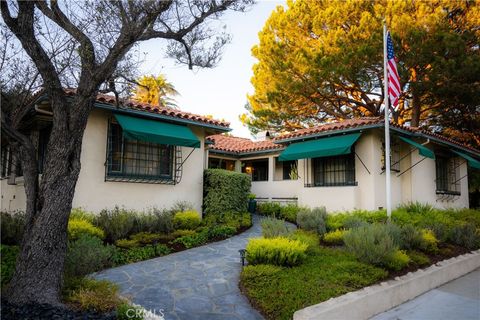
(200, 283)
(458, 299)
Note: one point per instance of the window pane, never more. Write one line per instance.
(334, 171)
(258, 169)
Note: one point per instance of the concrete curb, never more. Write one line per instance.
(369, 301)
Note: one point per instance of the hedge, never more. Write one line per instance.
(225, 191)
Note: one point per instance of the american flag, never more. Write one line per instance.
(393, 78)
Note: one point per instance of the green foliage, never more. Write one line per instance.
(117, 223)
(276, 251)
(148, 237)
(231, 219)
(129, 312)
(246, 220)
(221, 232)
(93, 295)
(289, 212)
(77, 227)
(182, 233)
(335, 237)
(309, 238)
(429, 241)
(398, 260)
(225, 191)
(416, 207)
(419, 259)
(127, 243)
(312, 219)
(8, 258)
(412, 238)
(81, 214)
(189, 220)
(154, 221)
(194, 240)
(252, 196)
(395, 233)
(326, 273)
(465, 235)
(136, 254)
(269, 209)
(87, 255)
(273, 228)
(371, 244)
(12, 225)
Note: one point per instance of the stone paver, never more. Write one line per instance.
(200, 283)
(458, 299)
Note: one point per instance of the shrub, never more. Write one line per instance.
(8, 255)
(272, 228)
(334, 237)
(276, 251)
(221, 232)
(155, 221)
(129, 312)
(189, 220)
(312, 219)
(440, 230)
(464, 235)
(335, 221)
(353, 222)
(398, 260)
(12, 226)
(395, 233)
(181, 206)
(416, 207)
(246, 220)
(270, 209)
(81, 214)
(412, 237)
(127, 243)
(370, 244)
(418, 258)
(259, 271)
(136, 254)
(87, 255)
(289, 212)
(77, 227)
(95, 295)
(149, 238)
(194, 240)
(429, 241)
(181, 233)
(225, 191)
(117, 223)
(307, 237)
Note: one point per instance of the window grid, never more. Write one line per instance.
(137, 161)
(447, 174)
(334, 171)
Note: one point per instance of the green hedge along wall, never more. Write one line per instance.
(225, 191)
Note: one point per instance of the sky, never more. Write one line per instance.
(220, 91)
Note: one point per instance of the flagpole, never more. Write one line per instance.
(387, 127)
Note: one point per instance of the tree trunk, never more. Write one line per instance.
(39, 269)
(415, 122)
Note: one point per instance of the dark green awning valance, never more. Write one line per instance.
(157, 131)
(474, 163)
(424, 151)
(324, 147)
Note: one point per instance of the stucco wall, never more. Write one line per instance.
(93, 193)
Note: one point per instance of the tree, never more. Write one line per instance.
(100, 34)
(155, 91)
(322, 60)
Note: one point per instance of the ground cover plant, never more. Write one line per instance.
(360, 248)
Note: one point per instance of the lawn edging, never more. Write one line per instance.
(372, 300)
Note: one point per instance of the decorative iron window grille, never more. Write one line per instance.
(258, 169)
(447, 175)
(139, 161)
(334, 171)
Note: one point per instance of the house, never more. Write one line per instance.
(340, 165)
(134, 155)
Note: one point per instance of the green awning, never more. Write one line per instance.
(157, 131)
(474, 163)
(323, 147)
(424, 151)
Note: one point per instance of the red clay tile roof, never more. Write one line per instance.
(364, 122)
(145, 107)
(240, 145)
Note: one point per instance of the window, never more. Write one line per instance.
(447, 175)
(134, 160)
(258, 169)
(216, 163)
(394, 156)
(334, 171)
(285, 170)
(10, 163)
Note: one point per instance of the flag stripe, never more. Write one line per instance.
(394, 87)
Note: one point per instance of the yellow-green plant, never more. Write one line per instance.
(95, 295)
(76, 227)
(398, 260)
(127, 243)
(334, 237)
(429, 241)
(189, 220)
(276, 251)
